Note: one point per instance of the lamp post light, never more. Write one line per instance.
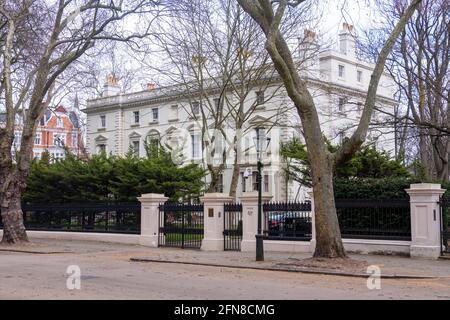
(261, 144)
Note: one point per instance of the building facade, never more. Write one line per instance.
(118, 123)
(58, 130)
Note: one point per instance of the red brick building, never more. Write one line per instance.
(58, 129)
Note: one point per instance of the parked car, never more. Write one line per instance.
(288, 225)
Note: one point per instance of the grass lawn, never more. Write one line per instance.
(177, 237)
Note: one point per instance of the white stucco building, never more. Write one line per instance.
(168, 115)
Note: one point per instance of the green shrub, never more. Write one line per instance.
(110, 178)
(372, 188)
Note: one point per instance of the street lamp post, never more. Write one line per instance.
(259, 144)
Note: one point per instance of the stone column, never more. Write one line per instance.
(150, 218)
(249, 202)
(425, 220)
(213, 220)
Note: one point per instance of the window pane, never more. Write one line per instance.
(266, 183)
(341, 71)
(255, 180)
(195, 108)
(260, 97)
(195, 146)
(136, 148)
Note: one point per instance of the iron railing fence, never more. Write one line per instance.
(83, 217)
(287, 221)
(374, 219)
(444, 203)
(232, 226)
(181, 225)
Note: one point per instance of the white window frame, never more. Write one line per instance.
(59, 122)
(341, 71)
(59, 142)
(135, 143)
(195, 108)
(74, 140)
(195, 145)
(101, 147)
(341, 104)
(157, 114)
(260, 97)
(174, 112)
(37, 139)
(136, 117)
(103, 121)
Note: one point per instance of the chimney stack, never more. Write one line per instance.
(309, 53)
(310, 36)
(151, 86)
(111, 86)
(347, 41)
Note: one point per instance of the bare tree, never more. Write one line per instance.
(211, 51)
(419, 62)
(40, 40)
(269, 15)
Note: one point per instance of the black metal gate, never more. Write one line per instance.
(180, 225)
(232, 226)
(445, 224)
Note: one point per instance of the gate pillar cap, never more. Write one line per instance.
(427, 188)
(152, 197)
(216, 196)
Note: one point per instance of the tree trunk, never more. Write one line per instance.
(12, 217)
(424, 156)
(214, 184)
(328, 235)
(236, 169)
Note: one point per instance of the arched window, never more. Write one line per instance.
(153, 142)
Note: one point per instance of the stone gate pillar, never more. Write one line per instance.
(150, 218)
(213, 204)
(425, 220)
(249, 202)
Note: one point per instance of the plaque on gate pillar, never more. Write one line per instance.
(211, 212)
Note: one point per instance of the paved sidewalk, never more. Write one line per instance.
(391, 266)
(39, 272)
